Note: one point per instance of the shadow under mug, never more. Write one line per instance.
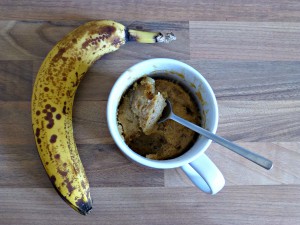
(194, 162)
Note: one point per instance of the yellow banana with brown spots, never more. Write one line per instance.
(52, 101)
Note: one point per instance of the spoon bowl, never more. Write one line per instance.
(166, 112)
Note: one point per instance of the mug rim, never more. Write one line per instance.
(113, 125)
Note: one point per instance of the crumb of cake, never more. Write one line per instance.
(146, 104)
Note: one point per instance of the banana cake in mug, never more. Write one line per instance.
(140, 109)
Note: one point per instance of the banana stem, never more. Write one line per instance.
(149, 37)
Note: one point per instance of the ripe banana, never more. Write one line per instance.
(53, 95)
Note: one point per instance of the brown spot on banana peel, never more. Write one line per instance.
(50, 153)
(58, 116)
(102, 34)
(64, 110)
(53, 139)
(83, 185)
(78, 80)
(94, 28)
(62, 173)
(58, 55)
(50, 124)
(117, 42)
(69, 186)
(48, 116)
(53, 180)
(37, 132)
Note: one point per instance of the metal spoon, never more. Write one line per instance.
(259, 160)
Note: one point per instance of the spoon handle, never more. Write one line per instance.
(259, 160)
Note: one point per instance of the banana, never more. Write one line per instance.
(52, 101)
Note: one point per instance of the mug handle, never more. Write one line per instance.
(205, 175)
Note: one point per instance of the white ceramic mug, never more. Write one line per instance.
(197, 166)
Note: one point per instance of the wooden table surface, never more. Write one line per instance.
(248, 50)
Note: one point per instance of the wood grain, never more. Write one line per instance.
(230, 80)
(15, 123)
(260, 120)
(248, 51)
(285, 156)
(251, 80)
(107, 167)
(171, 206)
(172, 10)
(15, 80)
(104, 164)
(274, 121)
(244, 40)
